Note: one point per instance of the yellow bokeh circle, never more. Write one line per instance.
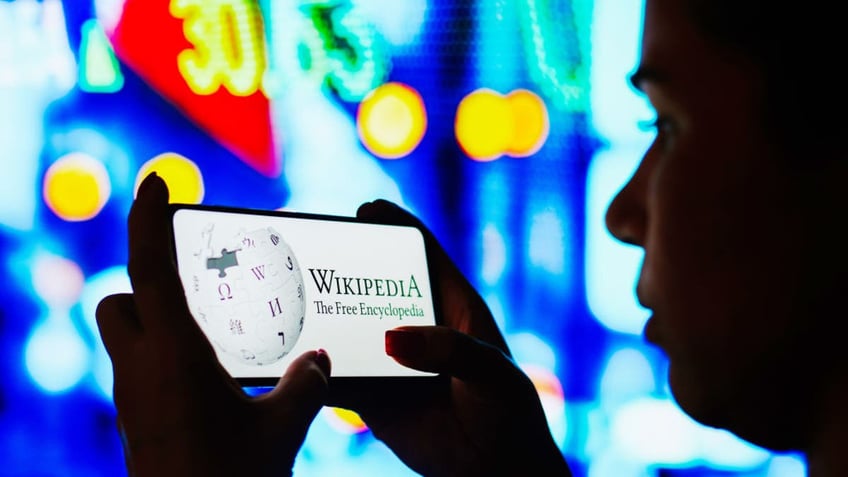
(531, 123)
(484, 125)
(345, 421)
(490, 125)
(76, 187)
(185, 182)
(391, 120)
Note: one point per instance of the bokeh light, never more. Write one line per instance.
(55, 355)
(484, 125)
(56, 280)
(344, 420)
(399, 22)
(656, 431)
(538, 360)
(494, 255)
(786, 466)
(552, 398)
(109, 281)
(546, 245)
(185, 182)
(76, 187)
(531, 123)
(627, 375)
(546, 382)
(490, 125)
(531, 349)
(392, 120)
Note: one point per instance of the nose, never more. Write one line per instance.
(626, 217)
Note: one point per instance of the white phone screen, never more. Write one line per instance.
(265, 288)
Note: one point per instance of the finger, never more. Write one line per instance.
(385, 212)
(440, 349)
(465, 309)
(158, 292)
(118, 323)
(301, 392)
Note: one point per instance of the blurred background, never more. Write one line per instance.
(506, 125)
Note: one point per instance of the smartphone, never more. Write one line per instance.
(265, 286)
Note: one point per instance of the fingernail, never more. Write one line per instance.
(404, 343)
(322, 359)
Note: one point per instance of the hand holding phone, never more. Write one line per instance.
(488, 420)
(179, 413)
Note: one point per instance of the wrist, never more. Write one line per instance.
(162, 457)
(174, 457)
(542, 459)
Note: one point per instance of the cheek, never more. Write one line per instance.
(727, 297)
(716, 251)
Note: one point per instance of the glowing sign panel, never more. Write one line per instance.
(228, 49)
(207, 58)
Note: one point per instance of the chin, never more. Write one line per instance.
(766, 419)
(691, 394)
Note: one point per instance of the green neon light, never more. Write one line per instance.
(557, 39)
(99, 71)
(342, 50)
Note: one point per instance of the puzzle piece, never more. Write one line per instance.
(226, 260)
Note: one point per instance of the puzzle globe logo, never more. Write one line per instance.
(247, 294)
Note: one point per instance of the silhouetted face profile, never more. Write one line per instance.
(742, 268)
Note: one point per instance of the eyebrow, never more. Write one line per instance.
(645, 74)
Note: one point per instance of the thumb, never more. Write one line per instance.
(443, 350)
(300, 393)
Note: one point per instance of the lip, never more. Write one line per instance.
(652, 331)
(642, 295)
(652, 328)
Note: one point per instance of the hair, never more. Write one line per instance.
(799, 48)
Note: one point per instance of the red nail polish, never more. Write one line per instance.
(322, 359)
(402, 343)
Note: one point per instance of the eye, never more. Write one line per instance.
(664, 127)
(660, 124)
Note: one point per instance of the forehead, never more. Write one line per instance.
(667, 20)
(677, 54)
